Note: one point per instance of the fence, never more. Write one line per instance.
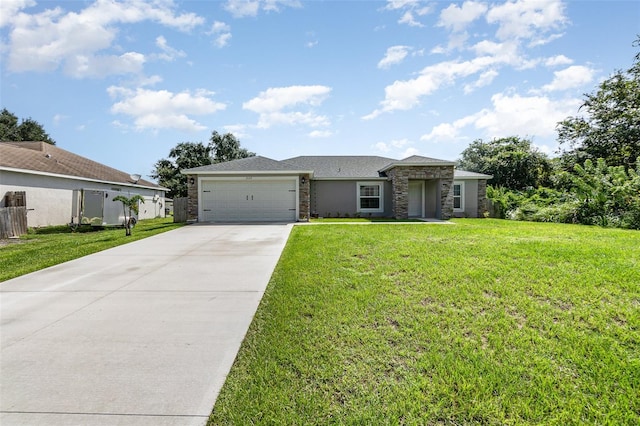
(13, 221)
(180, 209)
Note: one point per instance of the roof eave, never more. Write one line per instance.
(36, 172)
(247, 172)
(417, 164)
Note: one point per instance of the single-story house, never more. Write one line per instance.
(262, 189)
(49, 175)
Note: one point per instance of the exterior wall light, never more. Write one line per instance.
(304, 180)
(192, 181)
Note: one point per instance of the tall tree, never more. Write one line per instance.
(27, 130)
(513, 162)
(185, 155)
(226, 148)
(610, 125)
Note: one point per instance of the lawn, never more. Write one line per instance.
(49, 246)
(484, 322)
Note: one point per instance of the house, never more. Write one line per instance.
(49, 175)
(262, 189)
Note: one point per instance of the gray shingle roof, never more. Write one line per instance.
(249, 164)
(463, 174)
(326, 166)
(47, 158)
(341, 166)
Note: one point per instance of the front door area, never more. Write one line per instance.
(416, 204)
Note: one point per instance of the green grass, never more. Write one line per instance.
(484, 322)
(49, 246)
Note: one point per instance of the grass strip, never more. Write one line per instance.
(49, 246)
(485, 322)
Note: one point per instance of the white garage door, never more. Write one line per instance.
(248, 200)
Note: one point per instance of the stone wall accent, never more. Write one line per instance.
(482, 197)
(192, 198)
(304, 196)
(400, 176)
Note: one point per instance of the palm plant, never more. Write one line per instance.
(131, 204)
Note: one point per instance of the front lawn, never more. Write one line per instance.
(45, 247)
(484, 322)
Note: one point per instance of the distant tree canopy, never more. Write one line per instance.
(187, 155)
(513, 162)
(610, 126)
(26, 130)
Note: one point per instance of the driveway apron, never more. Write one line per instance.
(141, 334)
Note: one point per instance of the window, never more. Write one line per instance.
(370, 197)
(458, 196)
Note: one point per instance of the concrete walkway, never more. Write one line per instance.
(141, 334)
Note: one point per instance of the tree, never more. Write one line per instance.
(610, 126)
(227, 147)
(185, 155)
(27, 130)
(130, 205)
(514, 163)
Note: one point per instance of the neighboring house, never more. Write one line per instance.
(262, 189)
(49, 175)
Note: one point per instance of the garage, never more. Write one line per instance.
(248, 199)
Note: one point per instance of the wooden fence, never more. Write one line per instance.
(180, 209)
(13, 221)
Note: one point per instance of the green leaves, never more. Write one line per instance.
(609, 126)
(513, 162)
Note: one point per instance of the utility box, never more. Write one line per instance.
(96, 207)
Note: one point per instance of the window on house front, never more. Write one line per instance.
(370, 197)
(458, 196)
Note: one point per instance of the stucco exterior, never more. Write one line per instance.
(50, 198)
(330, 198)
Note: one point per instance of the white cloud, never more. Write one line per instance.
(409, 152)
(238, 130)
(245, 8)
(557, 60)
(59, 118)
(394, 55)
(382, 147)
(54, 38)
(222, 33)
(410, 9)
(320, 134)
(457, 18)
(396, 145)
(272, 103)
(81, 66)
(404, 95)
(159, 109)
(511, 115)
(485, 79)
(169, 53)
(10, 8)
(527, 19)
(569, 78)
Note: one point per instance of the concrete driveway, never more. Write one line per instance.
(141, 334)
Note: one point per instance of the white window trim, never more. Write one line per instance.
(461, 183)
(378, 210)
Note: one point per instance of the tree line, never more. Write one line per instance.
(594, 180)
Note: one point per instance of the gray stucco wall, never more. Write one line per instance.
(50, 198)
(330, 197)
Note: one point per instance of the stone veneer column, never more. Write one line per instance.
(192, 198)
(400, 176)
(399, 193)
(482, 197)
(304, 196)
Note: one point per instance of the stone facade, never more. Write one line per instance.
(400, 176)
(192, 198)
(304, 193)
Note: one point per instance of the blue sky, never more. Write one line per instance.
(122, 82)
